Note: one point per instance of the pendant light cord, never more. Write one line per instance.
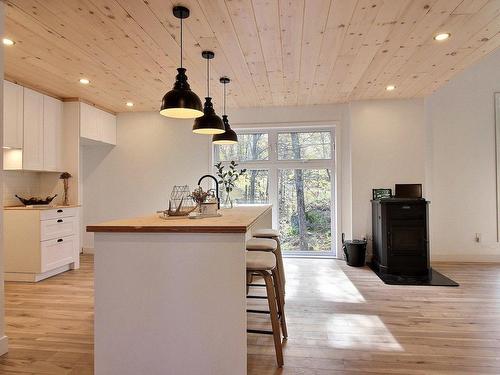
(181, 42)
(208, 78)
(224, 98)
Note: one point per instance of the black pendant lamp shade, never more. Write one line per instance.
(181, 102)
(209, 123)
(229, 136)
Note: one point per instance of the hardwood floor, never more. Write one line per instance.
(50, 324)
(341, 320)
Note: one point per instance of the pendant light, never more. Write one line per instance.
(229, 137)
(181, 102)
(209, 123)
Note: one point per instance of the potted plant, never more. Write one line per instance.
(228, 178)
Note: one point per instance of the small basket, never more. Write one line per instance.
(208, 208)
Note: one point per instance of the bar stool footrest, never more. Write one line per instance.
(258, 311)
(259, 331)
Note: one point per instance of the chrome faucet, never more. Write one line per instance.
(216, 187)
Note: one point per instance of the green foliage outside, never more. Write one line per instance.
(304, 195)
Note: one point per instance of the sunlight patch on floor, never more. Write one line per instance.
(320, 282)
(337, 287)
(366, 332)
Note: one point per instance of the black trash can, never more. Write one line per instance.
(355, 252)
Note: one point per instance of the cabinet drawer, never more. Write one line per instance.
(58, 213)
(58, 252)
(407, 211)
(57, 228)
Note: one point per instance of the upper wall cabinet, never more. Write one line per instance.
(33, 131)
(97, 125)
(52, 134)
(12, 115)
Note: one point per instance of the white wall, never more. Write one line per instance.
(379, 143)
(461, 164)
(387, 145)
(135, 177)
(381, 139)
(445, 142)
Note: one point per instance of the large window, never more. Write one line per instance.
(293, 171)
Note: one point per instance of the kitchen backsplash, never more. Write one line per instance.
(22, 183)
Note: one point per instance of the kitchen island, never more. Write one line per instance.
(170, 293)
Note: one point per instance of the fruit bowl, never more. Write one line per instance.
(35, 201)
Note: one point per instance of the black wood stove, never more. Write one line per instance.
(400, 237)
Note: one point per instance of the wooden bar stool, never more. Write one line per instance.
(267, 244)
(273, 234)
(264, 264)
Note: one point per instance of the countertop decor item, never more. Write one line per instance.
(228, 178)
(209, 207)
(180, 200)
(181, 102)
(229, 136)
(209, 123)
(35, 201)
(217, 196)
(65, 176)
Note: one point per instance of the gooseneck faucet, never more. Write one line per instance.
(216, 187)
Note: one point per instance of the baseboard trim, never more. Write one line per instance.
(88, 250)
(4, 343)
(35, 277)
(465, 258)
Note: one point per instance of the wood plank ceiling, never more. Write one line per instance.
(277, 52)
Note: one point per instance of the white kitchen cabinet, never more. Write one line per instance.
(89, 127)
(12, 115)
(52, 246)
(97, 125)
(52, 134)
(108, 128)
(33, 130)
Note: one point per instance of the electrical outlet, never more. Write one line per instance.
(477, 237)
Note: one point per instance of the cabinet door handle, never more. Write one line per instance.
(59, 211)
(60, 240)
(60, 220)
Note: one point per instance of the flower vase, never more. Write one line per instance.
(228, 203)
(66, 188)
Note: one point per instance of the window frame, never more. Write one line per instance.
(273, 164)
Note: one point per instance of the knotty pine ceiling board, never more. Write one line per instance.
(276, 52)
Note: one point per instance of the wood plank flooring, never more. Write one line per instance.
(341, 320)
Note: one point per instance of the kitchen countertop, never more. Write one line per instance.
(234, 220)
(38, 207)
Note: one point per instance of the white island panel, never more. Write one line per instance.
(171, 303)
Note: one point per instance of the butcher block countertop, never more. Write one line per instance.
(234, 220)
(39, 207)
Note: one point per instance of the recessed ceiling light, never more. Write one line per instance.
(84, 81)
(8, 42)
(130, 104)
(442, 36)
(390, 88)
